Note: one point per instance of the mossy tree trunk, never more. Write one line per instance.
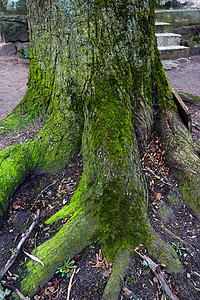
(97, 85)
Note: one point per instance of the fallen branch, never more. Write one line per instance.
(16, 251)
(156, 270)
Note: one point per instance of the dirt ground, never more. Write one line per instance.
(186, 77)
(176, 223)
(13, 80)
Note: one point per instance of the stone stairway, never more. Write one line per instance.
(169, 43)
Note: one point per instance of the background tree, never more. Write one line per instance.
(21, 7)
(3, 5)
(97, 85)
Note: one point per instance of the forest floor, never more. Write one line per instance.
(175, 222)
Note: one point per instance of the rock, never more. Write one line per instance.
(7, 49)
(22, 46)
(13, 30)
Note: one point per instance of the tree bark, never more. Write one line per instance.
(97, 85)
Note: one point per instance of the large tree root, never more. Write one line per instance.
(120, 266)
(77, 233)
(72, 238)
(183, 156)
(83, 228)
(52, 148)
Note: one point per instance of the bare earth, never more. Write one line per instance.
(13, 79)
(186, 78)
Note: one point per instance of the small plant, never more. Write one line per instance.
(178, 248)
(24, 53)
(195, 38)
(132, 278)
(67, 268)
(92, 248)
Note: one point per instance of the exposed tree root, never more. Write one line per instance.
(183, 156)
(120, 266)
(72, 238)
(44, 153)
(164, 253)
(87, 60)
(77, 233)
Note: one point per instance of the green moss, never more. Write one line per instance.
(165, 212)
(173, 199)
(160, 85)
(52, 148)
(120, 266)
(189, 97)
(14, 167)
(120, 215)
(72, 238)
(105, 68)
(164, 253)
(190, 193)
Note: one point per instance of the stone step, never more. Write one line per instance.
(7, 49)
(173, 52)
(168, 39)
(162, 27)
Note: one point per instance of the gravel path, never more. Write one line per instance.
(186, 77)
(13, 80)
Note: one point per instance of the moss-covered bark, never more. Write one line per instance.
(183, 156)
(95, 75)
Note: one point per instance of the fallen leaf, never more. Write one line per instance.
(34, 258)
(51, 289)
(158, 196)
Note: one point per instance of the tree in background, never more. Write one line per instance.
(21, 7)
(97, 85)
(3, 5)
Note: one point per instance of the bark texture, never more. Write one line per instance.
(97, 85)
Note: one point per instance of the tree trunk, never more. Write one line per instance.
(96, 84)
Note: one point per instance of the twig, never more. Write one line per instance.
(165, 181)
(188, 246)
(42, 193)
(155, 269)
(158, 177)
(196, 126)
(70, 284)
(16, 251)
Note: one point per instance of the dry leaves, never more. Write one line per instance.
(101, 262)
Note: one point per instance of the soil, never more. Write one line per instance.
(175, 222)
(13, 80)
(186, 77)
